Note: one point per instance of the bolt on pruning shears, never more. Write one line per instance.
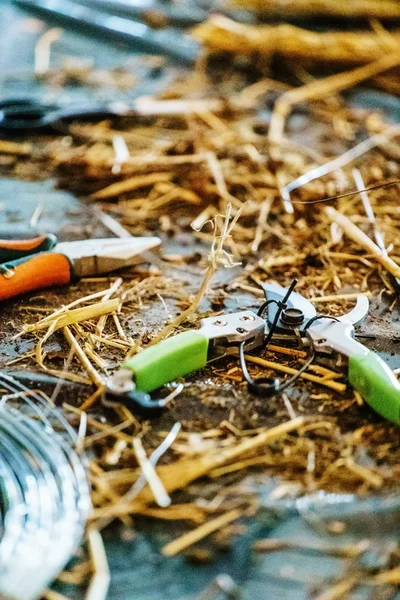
(285, 315)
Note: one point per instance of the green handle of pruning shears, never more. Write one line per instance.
(172, 358)
(376, 383)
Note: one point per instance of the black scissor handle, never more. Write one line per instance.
(23, 115)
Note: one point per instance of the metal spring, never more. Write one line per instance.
(44, 491)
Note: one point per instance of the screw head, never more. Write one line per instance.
(241, 330)
(220, 323)
(247, 318)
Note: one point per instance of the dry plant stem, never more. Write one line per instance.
(341, 161)
(334, 385)
(75, 316)
(218, 176)
(294, 43)
(323, 87)
(337, 297)
(288, 351)
(387, 9)
(181, 473)
(358, 236)
(15, 148)
(262, 220)
(52, 595)
(103, 319)
(129, 185)
(100, 582)
(93, 375)
(342, 551)
(339, 590)
(160, 495)
(67, 308)
(192, 537)
(216, 256)
(42, 50)
(391, 577)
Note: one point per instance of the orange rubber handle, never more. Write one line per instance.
(14, 249)
(40, 271)
(31, 244)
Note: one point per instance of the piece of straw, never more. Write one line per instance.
(75, 316)
(334, 385)
(160, 494)
(320, 88)
(190, 538)
(358, 236)
(100, 582)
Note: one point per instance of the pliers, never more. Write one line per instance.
(41, 262)
(286, 315)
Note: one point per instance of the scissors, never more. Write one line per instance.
(288, 314)
(41, 262)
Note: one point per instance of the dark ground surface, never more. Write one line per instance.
(138, 570)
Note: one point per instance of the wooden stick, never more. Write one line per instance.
(190, 538)
(358, 236)
(334, 385)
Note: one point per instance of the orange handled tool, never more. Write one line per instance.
(25, 265)
(14, 249)
(34, 273)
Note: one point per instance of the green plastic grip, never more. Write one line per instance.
(377, 384)
(172, 358)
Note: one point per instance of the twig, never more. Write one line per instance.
(358, 236)
(334, 385)
(322, 87)
(160, 494)
(93, 375)
(217, 256)
(190, 538)
(129, 185)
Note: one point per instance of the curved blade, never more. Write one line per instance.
(358, 313)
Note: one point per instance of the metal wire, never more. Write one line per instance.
(44, 491)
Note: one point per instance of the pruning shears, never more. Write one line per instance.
(367, 372)
(41, 262)
(285, 315)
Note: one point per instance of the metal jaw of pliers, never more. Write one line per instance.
(367, 372)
